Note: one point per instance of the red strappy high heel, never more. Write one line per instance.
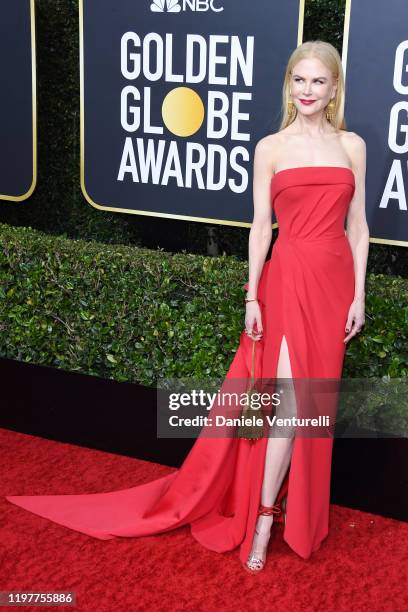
(258, 559)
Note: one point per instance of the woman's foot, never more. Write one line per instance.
(257, 557)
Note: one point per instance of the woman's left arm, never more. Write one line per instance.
(358, 235)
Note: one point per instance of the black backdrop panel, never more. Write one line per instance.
(17, 102)
(377, 109)
(158, 142)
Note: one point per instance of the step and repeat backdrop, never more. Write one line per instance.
(375, 56)
(18, 163)
(176, 93)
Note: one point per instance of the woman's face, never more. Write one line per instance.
(312, 86)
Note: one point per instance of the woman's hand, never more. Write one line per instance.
(355, 319)
(253, 320)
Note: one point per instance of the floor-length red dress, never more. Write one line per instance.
(305, 291)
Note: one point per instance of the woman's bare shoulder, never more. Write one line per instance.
(352, 139)
(270, 145)
(355, 147)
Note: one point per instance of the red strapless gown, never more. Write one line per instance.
(305, 291)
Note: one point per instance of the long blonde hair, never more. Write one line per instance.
(330, 57)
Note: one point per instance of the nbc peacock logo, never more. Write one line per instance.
(168, 6)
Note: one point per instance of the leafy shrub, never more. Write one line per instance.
(139, 315)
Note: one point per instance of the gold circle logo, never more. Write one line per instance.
(183, 111)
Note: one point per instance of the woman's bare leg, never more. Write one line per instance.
(278, 453)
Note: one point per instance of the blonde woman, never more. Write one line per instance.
(312, 171)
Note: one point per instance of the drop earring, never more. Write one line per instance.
(291, 107)
(330, 108)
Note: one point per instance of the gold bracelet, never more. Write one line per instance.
(251, 300)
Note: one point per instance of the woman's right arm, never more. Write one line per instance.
(260, 235)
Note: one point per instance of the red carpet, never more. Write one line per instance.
(362, 564)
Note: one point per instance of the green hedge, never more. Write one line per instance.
(140, 315)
